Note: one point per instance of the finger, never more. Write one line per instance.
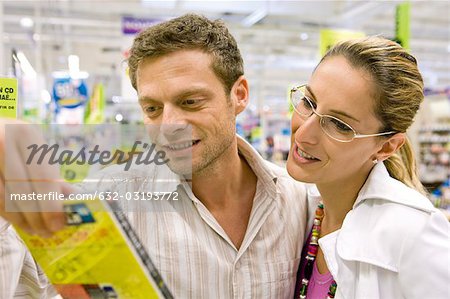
(36, 224)
(14, 218)
(14, 170)
(45, 181)
(18, 186)
(43, 175)
(55, 221)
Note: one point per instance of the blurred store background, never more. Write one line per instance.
(70, 61)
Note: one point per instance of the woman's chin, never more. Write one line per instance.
(297, 173)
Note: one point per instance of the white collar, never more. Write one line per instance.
(381, 185)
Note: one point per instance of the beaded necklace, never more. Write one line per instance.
(310, 257)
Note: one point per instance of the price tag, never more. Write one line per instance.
(8, 97)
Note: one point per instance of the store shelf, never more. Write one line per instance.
(434, 149)
(435, 128)
(434, 139)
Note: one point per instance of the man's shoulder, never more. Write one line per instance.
(283, 180)
(278, 171)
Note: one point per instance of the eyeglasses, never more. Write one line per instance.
(332, 126)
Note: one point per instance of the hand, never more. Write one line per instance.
(42, 217)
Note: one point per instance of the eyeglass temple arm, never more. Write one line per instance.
(372, 135)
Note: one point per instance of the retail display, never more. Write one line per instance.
(433, 147)
(434, 153)
(8, 97)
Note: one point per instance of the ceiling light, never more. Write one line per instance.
(304, 36)
(254, 17)
(119, 117)
(25, 65)
(26, 22)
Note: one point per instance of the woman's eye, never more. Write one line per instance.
(305, 103)
(308, 104)
(339, 125)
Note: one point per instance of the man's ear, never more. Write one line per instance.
(390, 146)
(239, 94)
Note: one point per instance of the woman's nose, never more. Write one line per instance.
(308, 129)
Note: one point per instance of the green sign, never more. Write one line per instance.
(8, 97)
(402, 30)
(94, 112)
(330, 37)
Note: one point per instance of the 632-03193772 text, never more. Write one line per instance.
(142, 195)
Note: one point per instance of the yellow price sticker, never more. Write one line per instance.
(8, 97)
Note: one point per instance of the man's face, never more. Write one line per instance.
(180, 93)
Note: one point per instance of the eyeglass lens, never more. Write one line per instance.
(333, 127)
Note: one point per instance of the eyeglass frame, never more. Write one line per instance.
(356, 135)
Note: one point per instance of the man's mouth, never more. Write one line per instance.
(177, 146)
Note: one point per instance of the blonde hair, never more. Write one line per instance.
(398, 94)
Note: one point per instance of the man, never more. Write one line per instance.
(238, 229)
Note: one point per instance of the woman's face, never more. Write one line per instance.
(339, 90)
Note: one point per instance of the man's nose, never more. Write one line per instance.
(174, 121)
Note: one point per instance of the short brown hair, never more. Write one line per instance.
(190, 31)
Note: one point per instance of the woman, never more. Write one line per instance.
(375, 235)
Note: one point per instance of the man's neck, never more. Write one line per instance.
(224, 181)
(227, 191)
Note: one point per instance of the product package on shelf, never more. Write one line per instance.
(434, 149)
(440, 197)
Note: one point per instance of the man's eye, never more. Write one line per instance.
(151, 110)
(189, 102)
